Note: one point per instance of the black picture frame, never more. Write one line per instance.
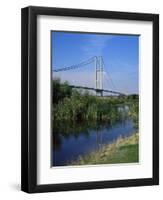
(29, 98)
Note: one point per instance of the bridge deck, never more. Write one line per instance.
(97, 90)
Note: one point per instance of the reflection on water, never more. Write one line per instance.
(73, 139)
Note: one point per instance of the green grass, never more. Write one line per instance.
(78, 105)
(124, 150)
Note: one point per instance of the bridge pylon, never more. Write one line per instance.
(99, 76)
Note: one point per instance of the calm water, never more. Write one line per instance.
(74, 140)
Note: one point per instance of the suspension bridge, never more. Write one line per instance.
(98, 64)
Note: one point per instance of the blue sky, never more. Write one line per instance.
(119, 52)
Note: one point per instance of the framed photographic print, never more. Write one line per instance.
(90, 99)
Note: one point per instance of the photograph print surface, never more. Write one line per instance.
(95, 98)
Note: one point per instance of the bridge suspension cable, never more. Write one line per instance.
(82, 64)
(107, 75)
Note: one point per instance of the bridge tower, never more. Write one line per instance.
(99, 76)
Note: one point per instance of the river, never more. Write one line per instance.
(72, 140)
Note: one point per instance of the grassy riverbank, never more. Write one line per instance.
(124, 150)
(76, 105)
